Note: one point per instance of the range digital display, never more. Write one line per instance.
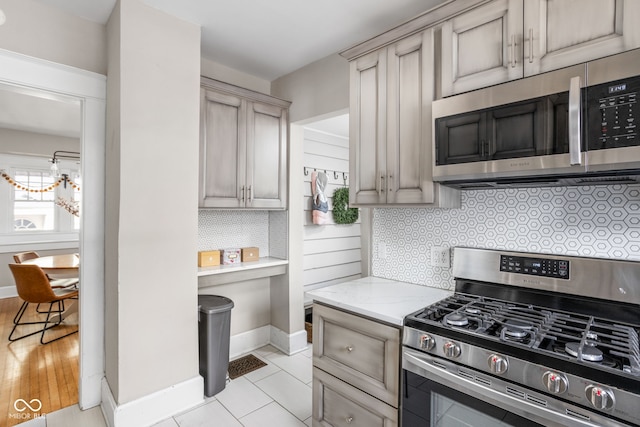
(555, 268)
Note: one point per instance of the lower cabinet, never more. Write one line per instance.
(337, 404)
(356, 368)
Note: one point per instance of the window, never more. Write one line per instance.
(38, 206)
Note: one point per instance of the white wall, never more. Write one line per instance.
(23, 142)
(316, 90)
(332, 251)
(36, 29)
(151, 284)
(216, 71)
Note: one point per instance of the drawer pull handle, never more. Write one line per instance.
(349, 419)
(349, 348)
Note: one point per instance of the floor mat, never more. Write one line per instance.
(244, 365)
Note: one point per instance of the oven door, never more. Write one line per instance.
(440, 393)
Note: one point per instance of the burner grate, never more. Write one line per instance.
(594, 341)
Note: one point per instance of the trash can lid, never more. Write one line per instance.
(211, 304)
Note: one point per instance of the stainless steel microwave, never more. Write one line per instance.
(577, 125)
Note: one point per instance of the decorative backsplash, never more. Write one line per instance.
(598, 221)
(267, 230)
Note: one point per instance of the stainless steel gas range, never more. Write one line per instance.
(527, 339)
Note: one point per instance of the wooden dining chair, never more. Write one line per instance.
(25, 256)
(34, 288)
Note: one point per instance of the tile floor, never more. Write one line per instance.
(276, 395)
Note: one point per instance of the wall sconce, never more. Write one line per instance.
(57, 155)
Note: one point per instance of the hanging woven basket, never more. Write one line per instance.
(342, 213)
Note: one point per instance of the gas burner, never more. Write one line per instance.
(472, 310)
(590, 352)
(456, 319)
(516, 329)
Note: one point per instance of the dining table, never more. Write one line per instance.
(60, 266)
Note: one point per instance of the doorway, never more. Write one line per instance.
(48, 80)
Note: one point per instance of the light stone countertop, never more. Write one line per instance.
(381, 299)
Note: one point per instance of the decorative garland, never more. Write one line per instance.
(19, 186)
(70, 206)
(342, 213)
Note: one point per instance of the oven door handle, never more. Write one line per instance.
(445, 373)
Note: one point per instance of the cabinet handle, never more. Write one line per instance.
(250, 194)
(349, 420)
(349, 348)
(513, 51)
(381, 184)
(242, 194)
(530, 45)
(574, 121)
(389, 186)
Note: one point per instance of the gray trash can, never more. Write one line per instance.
(214, 320)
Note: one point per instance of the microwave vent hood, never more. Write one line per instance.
(578, 125)
(547, 181)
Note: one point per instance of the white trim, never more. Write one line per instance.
(38, 73)
(288, 343)
(90, 89)
(40, 246)
(245, 342)
(152, 408)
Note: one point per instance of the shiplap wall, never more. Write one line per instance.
(331, 251)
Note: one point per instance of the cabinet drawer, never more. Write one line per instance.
(337, 404)
(362, 352)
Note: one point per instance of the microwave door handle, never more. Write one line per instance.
(574, 122)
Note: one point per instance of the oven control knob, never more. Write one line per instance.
(427, 342)
(498, 364)
(599, 397)
(451, 349)
(554, 382)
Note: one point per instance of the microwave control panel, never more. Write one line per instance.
(554, 268)
(614, 114)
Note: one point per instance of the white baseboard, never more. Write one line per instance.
(288, 343)
(152, 408)
(245, 342)
(8, 292)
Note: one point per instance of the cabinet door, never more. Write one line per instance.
(222, 150)
(266, 156)
(337, 404)
(409, 95)
(482, 47)
(367, 129)
(572, 31)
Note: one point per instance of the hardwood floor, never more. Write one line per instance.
(30, 370)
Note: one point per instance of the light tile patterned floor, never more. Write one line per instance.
(276, 395)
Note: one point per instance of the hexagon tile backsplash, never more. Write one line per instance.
(598, 221)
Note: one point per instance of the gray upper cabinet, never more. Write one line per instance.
(243, 148)
(390, 126)
(509, 39)
(568, 32)
(480, 47)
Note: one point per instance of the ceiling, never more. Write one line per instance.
(271, 38)
(266, 39)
